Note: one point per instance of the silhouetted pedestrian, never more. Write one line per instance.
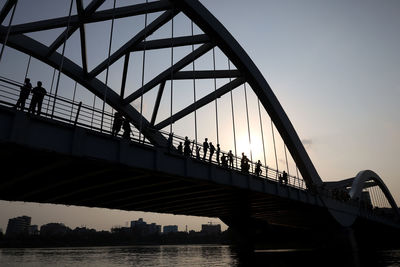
(205, 148)
(198, 152)
(187, 151)
(244, 164)
(218, 152)
(38, 94)
(127, 130)
(258, 168)
(230, 158)
(212, 149)
(180, 148)
(224, 161)
(117, 123)
(24, 94)
(285, 177)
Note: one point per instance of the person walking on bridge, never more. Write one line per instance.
(24, 94)
(38, 94)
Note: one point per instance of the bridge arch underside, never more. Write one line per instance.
(216, 36)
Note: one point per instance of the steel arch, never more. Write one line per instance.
(362, 178)
(216, 35)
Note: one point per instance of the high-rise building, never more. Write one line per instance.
(141, 227)
(170, 229)
(18, 225)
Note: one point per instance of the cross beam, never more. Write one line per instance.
(201, 102)
(167, 73)
(172, 42)
(152, 27)
(121, 12)
(206, 74)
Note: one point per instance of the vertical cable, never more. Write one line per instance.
(27, 67)
(143, 69)
(276, 158)
(194, 90)
(108, 67)
(172, 72)
(8, 30)
(51, 90)
(233, 116)
(287, 164)
(62, 58)
(248, 125)
(298, 178)
(73, 100)
(262, 134)
(215, 96)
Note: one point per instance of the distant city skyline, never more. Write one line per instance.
(335, 68)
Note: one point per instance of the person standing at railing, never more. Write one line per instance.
(24, 94)
(212, 149)
(258, 170)
(217, 153)
(117, 123)
(127, 130)
(198, 152)
(187, 151)
(285, 177)
(38, 94)
(230, 158)
(205, 148)
(180, 148)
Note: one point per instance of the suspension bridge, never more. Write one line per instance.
(177, 72)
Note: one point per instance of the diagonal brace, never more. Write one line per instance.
(201, 102)
(167, 73)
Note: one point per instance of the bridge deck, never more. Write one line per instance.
(48, 161)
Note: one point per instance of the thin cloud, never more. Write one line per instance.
(307, 143)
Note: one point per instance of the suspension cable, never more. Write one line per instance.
(262, 134)
(287, 164)
(215, 96)
(51, 89)
(143, 69)
(62, 58)
(8, 30)
(233, 115)
(276, 158)
(194, 90)
(27, 67)
(108, 67)
(172, 72)
(248, 125)
(297, 172)
(73, 101)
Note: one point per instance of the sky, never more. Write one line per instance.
(333, 65)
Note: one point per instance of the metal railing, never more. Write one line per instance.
(78, 114)
(63, 109)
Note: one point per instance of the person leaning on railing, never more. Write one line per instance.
(24, 94)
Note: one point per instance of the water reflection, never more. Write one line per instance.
(192, 255)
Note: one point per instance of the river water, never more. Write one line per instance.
(189, 255)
